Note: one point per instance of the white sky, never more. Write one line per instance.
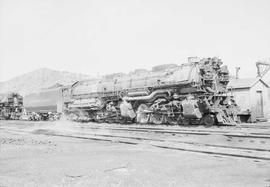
(100, 37)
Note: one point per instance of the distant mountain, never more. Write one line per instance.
(36, 80)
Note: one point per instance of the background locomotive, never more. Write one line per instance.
(11, 106)
(194, 92)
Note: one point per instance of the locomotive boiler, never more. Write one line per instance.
(193, 92)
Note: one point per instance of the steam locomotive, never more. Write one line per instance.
(11, 106)
(193, 92)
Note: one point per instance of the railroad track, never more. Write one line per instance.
(168, 130)
(161, 127)
(255, 126)
(174, 131)
(210, 149)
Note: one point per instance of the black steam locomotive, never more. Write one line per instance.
(191, 93)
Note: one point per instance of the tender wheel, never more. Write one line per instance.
(157, 118)
(209, 120)
(142, 116)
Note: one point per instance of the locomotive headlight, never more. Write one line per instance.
(176, 96)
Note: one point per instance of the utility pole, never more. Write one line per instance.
(237, 69)
(262, 68)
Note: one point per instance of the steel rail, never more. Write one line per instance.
(183, 131)
(248, 152)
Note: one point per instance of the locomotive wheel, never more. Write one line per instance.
(186, 122)
(157, 118)
(173, 119)
(142, 117)
(209, 120)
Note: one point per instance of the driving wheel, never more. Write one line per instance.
(142, 115)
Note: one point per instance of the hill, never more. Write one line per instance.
(36, 80)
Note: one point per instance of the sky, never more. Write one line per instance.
(98, 37)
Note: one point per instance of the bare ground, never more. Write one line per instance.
(40, 160)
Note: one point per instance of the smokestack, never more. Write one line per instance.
(237, 69)
(193, 59)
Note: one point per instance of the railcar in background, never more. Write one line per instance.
(44, 105)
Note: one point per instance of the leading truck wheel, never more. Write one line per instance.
(157, 118)
(209, 120)
(142, 115)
